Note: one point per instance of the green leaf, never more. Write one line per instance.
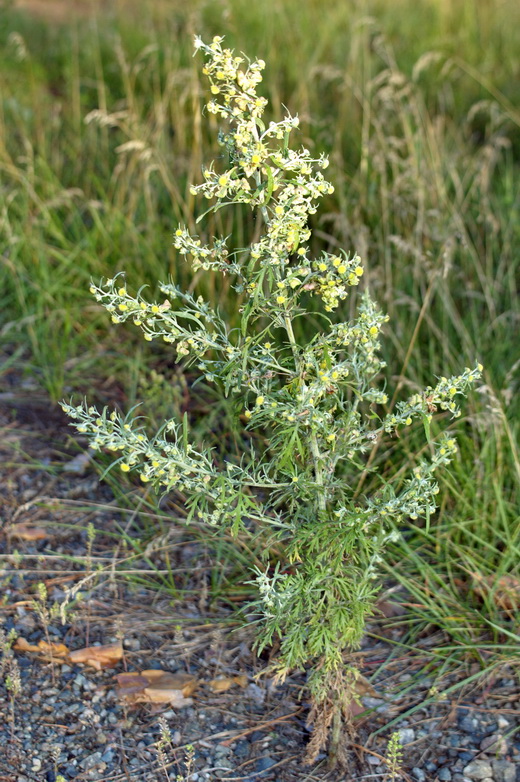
(427, 428)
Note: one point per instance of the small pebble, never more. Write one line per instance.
(36, 764)
(263, 764)
(406, 735)
(242, 749)
(91, 760)
(444, 774)
(468, 724)
(503, 771)
(419, 774)
(373, 760)
(495, 743)
(478, 769)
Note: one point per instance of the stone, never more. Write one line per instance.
(406, 735)
(222, 749)
(496, 744)
(242, 749)
(501, 722)
(91, 760)
(468, 724)
(478, 769)
(444, 774)
(264, 764)
(419, 774)
(503, 771)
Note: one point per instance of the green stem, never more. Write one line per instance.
(313, 442)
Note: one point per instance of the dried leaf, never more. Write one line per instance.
(25, 532)
(98, 657)
(225, 683)
(130, 684)
(156, 686)
(184, 682)
(50, 651)
(363, 687)
(503, 591)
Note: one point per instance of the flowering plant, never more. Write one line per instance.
(321, 402)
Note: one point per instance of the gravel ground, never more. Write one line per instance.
(69, 719)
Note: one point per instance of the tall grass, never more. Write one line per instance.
(417, 104)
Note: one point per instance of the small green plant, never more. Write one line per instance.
(47, 614)
(394, 757)
(320, 403)
(10, 671)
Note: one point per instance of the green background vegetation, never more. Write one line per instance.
(418, 105)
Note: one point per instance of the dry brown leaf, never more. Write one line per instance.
(25, 532)
(157, 686)
(184, 682)
(49, 651)
(225, 683)
(98, 657)
(363, 687)
(130, 684)
(504, 590)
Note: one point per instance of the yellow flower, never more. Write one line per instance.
(260, 400)
(125, 467)
(121, 292)
(358, 271)
(281, 299)
(373, 330)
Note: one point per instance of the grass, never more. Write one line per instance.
(102, 135)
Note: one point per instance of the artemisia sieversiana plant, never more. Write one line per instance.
(321, 403)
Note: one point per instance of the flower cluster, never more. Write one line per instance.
(442, 397)
(333, 275)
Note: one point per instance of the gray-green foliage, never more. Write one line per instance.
(321, 404)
